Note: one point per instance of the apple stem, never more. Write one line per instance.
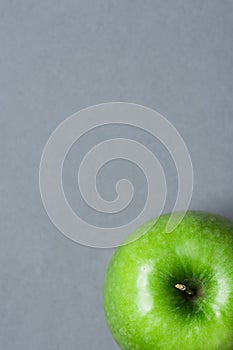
(183, 288)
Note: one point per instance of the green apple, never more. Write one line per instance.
(173, 290)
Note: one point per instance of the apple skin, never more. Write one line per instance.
(145, 311)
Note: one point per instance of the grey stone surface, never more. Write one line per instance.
(58, 57)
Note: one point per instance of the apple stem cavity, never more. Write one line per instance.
(183, 288)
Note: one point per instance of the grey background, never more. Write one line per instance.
(58, 57)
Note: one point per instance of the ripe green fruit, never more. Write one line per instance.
(173, 290)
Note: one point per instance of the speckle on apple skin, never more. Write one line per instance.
(143, 308)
